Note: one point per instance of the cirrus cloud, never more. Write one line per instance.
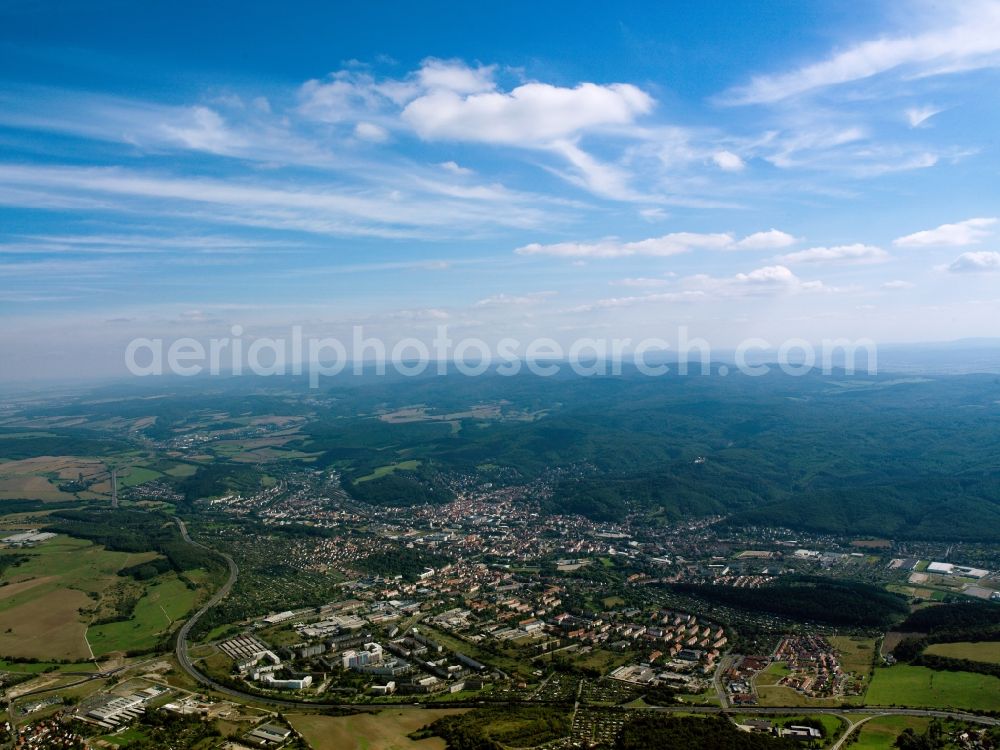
(970, 40)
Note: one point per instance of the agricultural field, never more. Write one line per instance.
(40, 607)
(385, 730)
(984, 651)
(906, 685)
(39, 478)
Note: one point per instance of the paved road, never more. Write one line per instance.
(183, 658)
(717, 682)
(851, 726)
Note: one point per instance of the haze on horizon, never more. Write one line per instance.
(788, 170)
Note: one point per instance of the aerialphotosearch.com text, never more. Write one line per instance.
(320, 357)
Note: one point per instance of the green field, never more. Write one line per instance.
(905, 685)
(138, 475)
(159, 608)
(881, 732)
(984, 651)
(386, 730)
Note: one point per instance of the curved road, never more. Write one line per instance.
(184, 659)
(186, 664)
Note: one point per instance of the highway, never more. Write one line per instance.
(183, 658)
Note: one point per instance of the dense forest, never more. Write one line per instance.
(807, 598)
(401, 561)
(685, 733)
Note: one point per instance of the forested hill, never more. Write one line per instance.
(906, 457)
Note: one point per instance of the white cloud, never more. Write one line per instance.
(455, 168)
(896, 286)
(972, 40)
(669, 244)
(451, 101)
(728, 161)
(977, 262)
(917, 116)
(767, 275)
(642, 299)
(772, 239)
(843, 254)
(369, 131)
(641, 282)
(653, 214)
(502, 300)
(454, 75)
(766, 281)
(204, 130)
(602, 179)
(344, 96)
(968, 232)
(532, 114)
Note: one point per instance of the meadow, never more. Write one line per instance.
(906, 685)
(385, 730)
(984, 651)
(856, 654)
(881, 732)
(163, 603)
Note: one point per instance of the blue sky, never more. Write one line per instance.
(743, 169)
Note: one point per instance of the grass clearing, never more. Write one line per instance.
(182, 470)
(386, 730)
(382, 471)
(906, 685)
(160, 607)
